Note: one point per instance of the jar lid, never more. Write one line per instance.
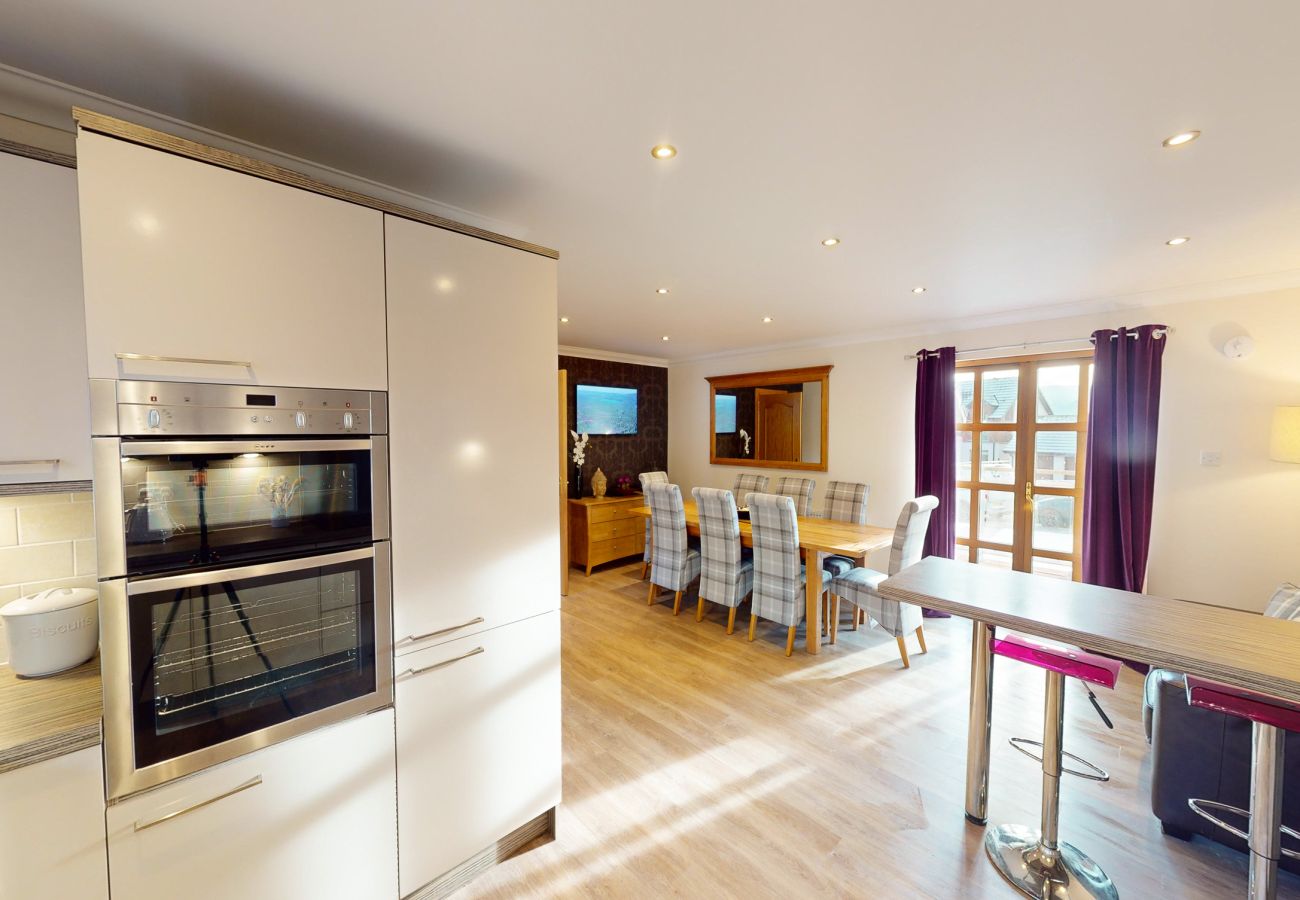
(50, 600)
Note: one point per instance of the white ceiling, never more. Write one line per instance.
(1005, 155)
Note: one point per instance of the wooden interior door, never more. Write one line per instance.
(564, 482)
(778, 419)
(1021, 438)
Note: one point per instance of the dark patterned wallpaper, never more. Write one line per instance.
(620, 454)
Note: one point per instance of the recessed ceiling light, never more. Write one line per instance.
(661, 290)
(1183, 137)
(919, 289)
(1174, 242)
(664, 338)
(663, 151)
(830, 242)
(767, 320)
(564, 318)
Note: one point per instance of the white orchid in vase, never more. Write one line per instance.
(579, 453)
(745, 436)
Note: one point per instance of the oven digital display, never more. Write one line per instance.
(260, 399)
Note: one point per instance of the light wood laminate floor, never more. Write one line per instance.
(699, 765)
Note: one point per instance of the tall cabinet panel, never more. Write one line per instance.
(236, 278)
(472, 362)
(43, 389)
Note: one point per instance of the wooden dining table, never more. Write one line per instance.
(818, 538)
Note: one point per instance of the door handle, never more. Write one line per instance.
(150, 823)
(412, 638)
(30, 462)
(145, 357)
(438, 665)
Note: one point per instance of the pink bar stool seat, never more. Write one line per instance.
(1270, 718)
(1034, 860)
(1070, 661)
(1243, 703)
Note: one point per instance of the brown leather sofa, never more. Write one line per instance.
(1205, 754)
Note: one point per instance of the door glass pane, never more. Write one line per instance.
(963, 455)
(999, 391)
(963, 512)
(1055, 453)
(1053, 568)
(1054, 523)
(999, 559)
(996, 515)
(1057, 397)
(962, 554)
(998, 457)
(965, 394)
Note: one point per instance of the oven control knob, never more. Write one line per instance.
(348, 421)
(300, 419)
(154, 418)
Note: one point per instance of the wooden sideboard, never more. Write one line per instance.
(601, 530)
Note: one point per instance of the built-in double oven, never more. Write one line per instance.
(244, 569)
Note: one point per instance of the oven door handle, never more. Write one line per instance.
(167, 817)
(221, 576)
(132, 448)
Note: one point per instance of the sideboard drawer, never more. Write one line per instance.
(604, 531)
(604, 551)
(609, 512)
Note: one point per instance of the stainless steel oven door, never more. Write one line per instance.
(183, 505)
(204, 667)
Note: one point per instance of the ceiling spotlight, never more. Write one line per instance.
(661, 290)
(663, 151)
(767, 320)
(1183, 137)
(919, 289)
(1174, 242)
(564, 319)
(830, 242)
(664, 338)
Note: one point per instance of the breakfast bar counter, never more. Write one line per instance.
(42, 718)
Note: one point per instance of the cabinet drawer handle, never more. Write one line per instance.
(438, 665)
(150, 823)
(412, 638)
(239, 363)
(30, 462)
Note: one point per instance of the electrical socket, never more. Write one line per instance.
(1211, 458)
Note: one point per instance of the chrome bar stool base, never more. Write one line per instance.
(1017, 852)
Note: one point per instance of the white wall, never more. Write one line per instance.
(1224, 535)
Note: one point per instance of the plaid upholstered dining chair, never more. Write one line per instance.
(846, 501)
(800, 490)
(779, 577)
(748, 484)
(649, 478)
(674, 563)
(727, 572)
(859, 586)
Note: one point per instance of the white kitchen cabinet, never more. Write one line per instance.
(308, 819)
(52, 829)
(478, 743)
(471, 335)
(186, 259)
(43, 388)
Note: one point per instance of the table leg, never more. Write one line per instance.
(813, 590)
(980, 726)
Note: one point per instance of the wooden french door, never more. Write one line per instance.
(1021, 434)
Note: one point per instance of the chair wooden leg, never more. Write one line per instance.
(835, 617)
(854, 624)
(645, 569)
(920, 636)
(826, 614)
(677, 603)
(753, 623)
(731, 620)
(699, 610)
(902, 649)
(650, 600)
(789, 641)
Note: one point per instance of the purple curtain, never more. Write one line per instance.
(1121, 460)
(936, 448)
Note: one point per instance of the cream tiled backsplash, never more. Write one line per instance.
(46, 541)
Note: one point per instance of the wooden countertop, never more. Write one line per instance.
(1240, 648)
(41, 718)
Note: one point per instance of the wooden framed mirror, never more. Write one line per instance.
(773, 420)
